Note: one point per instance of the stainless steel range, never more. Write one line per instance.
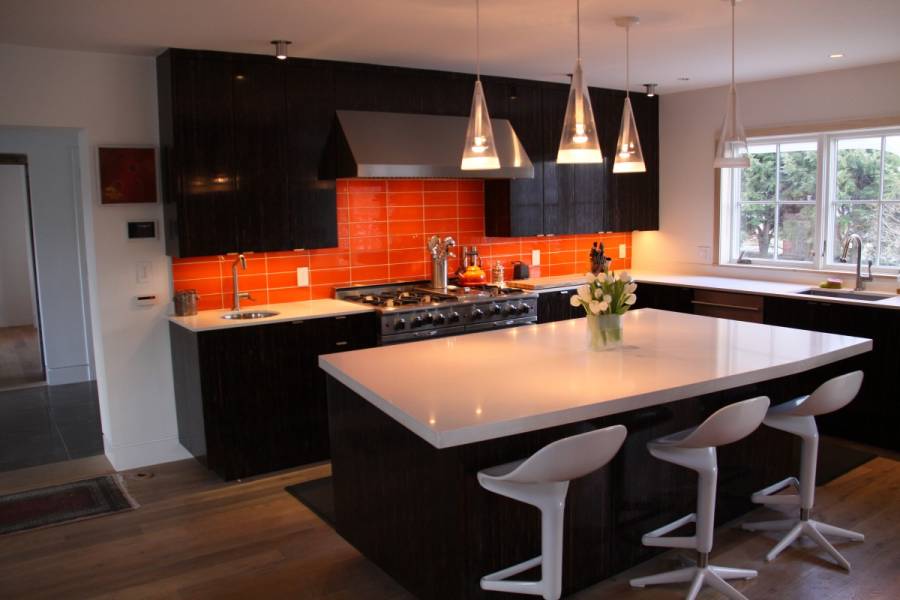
(412, 311)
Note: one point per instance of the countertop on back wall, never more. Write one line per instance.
(707, 282)
(207, 320)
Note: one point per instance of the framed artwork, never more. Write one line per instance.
(127, 175)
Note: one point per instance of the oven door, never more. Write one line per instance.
(415, 336)
(500, 324)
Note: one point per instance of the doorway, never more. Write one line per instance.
(21, 354)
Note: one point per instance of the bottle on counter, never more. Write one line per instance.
(898, 282)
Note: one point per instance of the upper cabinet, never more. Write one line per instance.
(248, 163)
(241, 138)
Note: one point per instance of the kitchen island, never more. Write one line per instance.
(411, 425)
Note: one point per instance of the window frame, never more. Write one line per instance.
(728, 244)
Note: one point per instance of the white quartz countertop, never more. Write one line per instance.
(709, 282)
(460, 390)
(207, 320)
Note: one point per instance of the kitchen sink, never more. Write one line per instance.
(250, 314)
(868, 296)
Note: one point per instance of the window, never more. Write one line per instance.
(802, 196)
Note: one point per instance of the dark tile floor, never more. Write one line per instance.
(49, 424)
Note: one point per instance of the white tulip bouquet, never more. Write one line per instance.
(605, 298)
(606, 294)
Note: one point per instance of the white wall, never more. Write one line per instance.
(112, 100)
(16, 295)
(689, 122)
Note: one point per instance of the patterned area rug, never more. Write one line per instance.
(64, 504)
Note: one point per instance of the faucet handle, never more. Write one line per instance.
(247, 296)
(868, 276)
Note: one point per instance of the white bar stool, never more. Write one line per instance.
(798, 416)
(542, 480)
(696, 449)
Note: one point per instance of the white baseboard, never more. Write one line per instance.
(132, 456)
(64, 375)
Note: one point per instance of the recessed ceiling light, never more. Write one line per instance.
(836, 55)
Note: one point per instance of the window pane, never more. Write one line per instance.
(798, 171)
(758, 181)
(757, 230)
(860, 219)
(859, 169)
(796, 235)
(890, 235)
(892, 168)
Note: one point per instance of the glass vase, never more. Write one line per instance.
(604, 331)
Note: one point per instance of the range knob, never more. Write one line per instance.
(454, 317)
(428, 317)
(438, 319)
(418, 321)
(400, 324)
(495, 309)
(524, 309)
(477, 314)
(512, 309)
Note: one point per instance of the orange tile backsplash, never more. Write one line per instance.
(382, 227)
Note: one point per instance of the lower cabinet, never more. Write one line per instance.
(664, 297)
(251, 399)
(554, 306)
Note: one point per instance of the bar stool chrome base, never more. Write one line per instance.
(700, 575)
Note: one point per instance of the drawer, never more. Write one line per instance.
(728, 305)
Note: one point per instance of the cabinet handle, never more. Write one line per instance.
(339, 318)
(717, 305)
(341, 344)
(565, 292)
(296, 322)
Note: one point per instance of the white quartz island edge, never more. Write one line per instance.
(471, 388)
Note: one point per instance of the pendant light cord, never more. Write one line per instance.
(578, 26)
(733, 2)
(478, 41)
(627, 65)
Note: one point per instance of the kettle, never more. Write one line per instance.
(520, 270)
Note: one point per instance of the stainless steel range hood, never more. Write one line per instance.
(385, 145)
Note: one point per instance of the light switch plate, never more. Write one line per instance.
(302, 276)
(623, 251)
(143, 271)
(535, 258)
(703, 254)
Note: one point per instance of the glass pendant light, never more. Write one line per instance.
(731, 148)
(629, 158)
(579, 142)
(479, 153)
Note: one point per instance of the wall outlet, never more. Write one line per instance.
(535, 258)
(623, 251)
(143, 271)
(302, 276)
(703, 254)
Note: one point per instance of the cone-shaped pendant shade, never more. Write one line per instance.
(579, 142)
(731, 149)
(629, 158)
(479, 153)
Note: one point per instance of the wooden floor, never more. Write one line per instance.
(196, 537)
(20, 357)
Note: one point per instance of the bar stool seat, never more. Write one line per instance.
(798, 416)
(542, 480)
(695, 449)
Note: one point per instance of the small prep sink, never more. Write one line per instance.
(870, 297)
(250, 314)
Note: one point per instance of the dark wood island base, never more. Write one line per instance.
(419, 514)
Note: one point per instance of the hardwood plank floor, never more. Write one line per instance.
(20, 357)
(197, 537)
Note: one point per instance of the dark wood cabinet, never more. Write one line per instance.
(241, 141)
(251, 400)
(554, 306)
(664, 297)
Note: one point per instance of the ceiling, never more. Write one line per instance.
(534, 39)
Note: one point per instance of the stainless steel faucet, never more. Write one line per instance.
(236, 303)
(860, 279)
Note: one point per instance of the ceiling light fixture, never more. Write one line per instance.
(836, 55)
(280, 48)
(479, 152)
(684, 79)
(579, 142)
(731, 147)
(629, 158)
(650, 88)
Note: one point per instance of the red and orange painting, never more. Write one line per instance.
(127, 175)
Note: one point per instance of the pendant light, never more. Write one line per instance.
(629, 158)
(731, 148)
(579, 142)
(479, 153)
